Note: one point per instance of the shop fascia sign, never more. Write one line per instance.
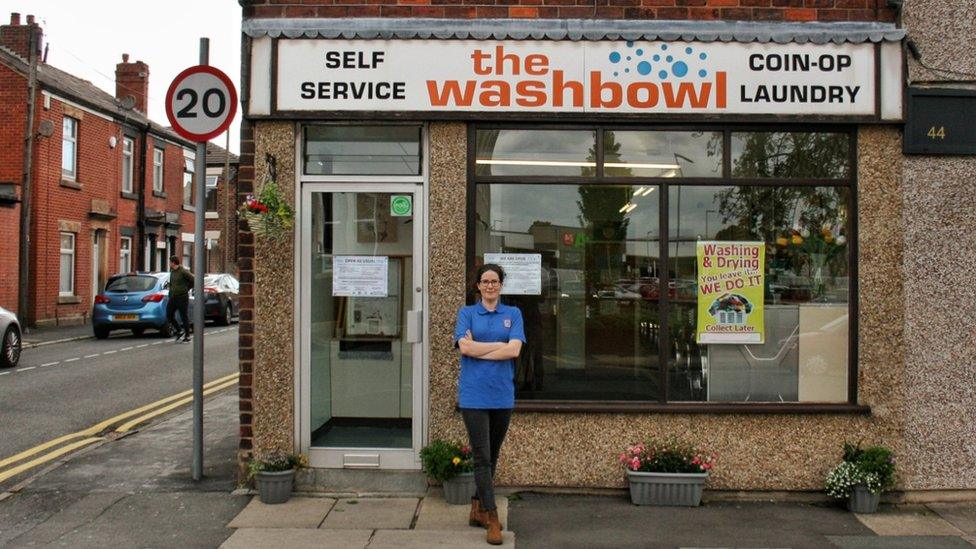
(577, 77)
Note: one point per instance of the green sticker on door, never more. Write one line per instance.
(401, 206)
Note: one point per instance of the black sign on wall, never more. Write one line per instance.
(940, 121)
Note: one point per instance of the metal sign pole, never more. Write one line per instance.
(200, 169)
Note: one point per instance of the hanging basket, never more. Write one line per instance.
(266, 226)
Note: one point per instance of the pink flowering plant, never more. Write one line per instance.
(669, 456)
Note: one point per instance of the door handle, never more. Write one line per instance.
(415, 326)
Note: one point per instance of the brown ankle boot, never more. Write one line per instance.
(477, 516)
(494, 536)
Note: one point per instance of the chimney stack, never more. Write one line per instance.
(16, 37)
(133, 79)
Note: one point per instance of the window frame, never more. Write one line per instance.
(158, 164)
(125, 252)
(208, 188)
(662, 404)
(188, 198)
(73, 139)
(128, 163)
(73, 256)
(422, 156)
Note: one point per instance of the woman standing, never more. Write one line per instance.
(490, 336)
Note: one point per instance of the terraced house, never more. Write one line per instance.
(738, 222)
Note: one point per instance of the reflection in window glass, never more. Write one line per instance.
(570, 153)
(662, 154)
(592, 333)
(790, 155)
(362, 150)
(805, 354)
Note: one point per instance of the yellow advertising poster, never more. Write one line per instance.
(730, 292)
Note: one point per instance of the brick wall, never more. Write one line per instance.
(749, 10)
(245, 263)
(224, 258)
(13, 97)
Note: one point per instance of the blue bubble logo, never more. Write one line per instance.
(679, 69)
(663, 75)
(703, 73)
(630, 44)
(679, 62)
(703, 56)
(640, 52)
(614, 57)
(669, 58)
(688, 50)
(657, 57)
(644, 68)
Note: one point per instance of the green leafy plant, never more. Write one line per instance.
(276, 462)
(669, 456)
(443, 460)
(268, 214)
(873, 467)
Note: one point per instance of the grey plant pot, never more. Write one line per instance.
(681, 489)
(862, 500)
(460, 489)
(275, 487)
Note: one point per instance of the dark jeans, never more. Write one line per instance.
(486, 431)
(181, 304)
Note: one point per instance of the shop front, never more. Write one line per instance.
(693, 226)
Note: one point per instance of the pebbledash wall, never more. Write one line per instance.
(914, 380)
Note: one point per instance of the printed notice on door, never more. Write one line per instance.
(359, 276)
(523, 272)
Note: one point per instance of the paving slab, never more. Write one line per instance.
(295, 513)
(297, 538)
(422, 539)
(960, 515)
(376, 513)
(908, 521)
(898, 542)
(436, 514)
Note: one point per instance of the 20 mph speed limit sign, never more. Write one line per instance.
(201, 103)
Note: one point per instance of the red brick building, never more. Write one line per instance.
(109, 188)
(221, 210)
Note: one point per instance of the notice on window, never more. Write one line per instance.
(360, 276)
(730, 292)
(523, 272)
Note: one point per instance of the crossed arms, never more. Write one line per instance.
(489, 351)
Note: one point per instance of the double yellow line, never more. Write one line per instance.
(88, 436)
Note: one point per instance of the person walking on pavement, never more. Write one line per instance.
(490, 336)
(180, 283)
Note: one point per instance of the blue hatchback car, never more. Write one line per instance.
(132, 301)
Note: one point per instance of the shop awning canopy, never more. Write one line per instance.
(573, 29)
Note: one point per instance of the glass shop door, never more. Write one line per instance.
(362, 325)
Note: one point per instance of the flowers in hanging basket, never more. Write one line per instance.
(668, 456)
(873, 467)
(268, 214)
(443, 460)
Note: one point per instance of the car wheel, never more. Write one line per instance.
(226, 318)
(101, 333)
(138, 332)
(10, 349)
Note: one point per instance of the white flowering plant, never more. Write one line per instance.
(872, 467)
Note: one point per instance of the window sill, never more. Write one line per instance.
(68, 299)
(71, 184)
(212, 215)
(130, 196)
(189, 208)
(568, 406)
(159, 194)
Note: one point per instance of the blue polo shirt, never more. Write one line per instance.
(488, 384)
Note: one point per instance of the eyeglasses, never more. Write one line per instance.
(490, 282)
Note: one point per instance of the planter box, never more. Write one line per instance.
(862, 500)
(275, 487)
(460, 489)
(684, 489)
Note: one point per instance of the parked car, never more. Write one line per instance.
(132, 301)
(221, 292)
(12, 342)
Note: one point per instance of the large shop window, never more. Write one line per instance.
(617, 216)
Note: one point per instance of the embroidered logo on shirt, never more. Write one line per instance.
(507, 323)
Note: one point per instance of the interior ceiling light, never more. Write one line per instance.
(536, 163)
(649, 191)
(642, 166)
